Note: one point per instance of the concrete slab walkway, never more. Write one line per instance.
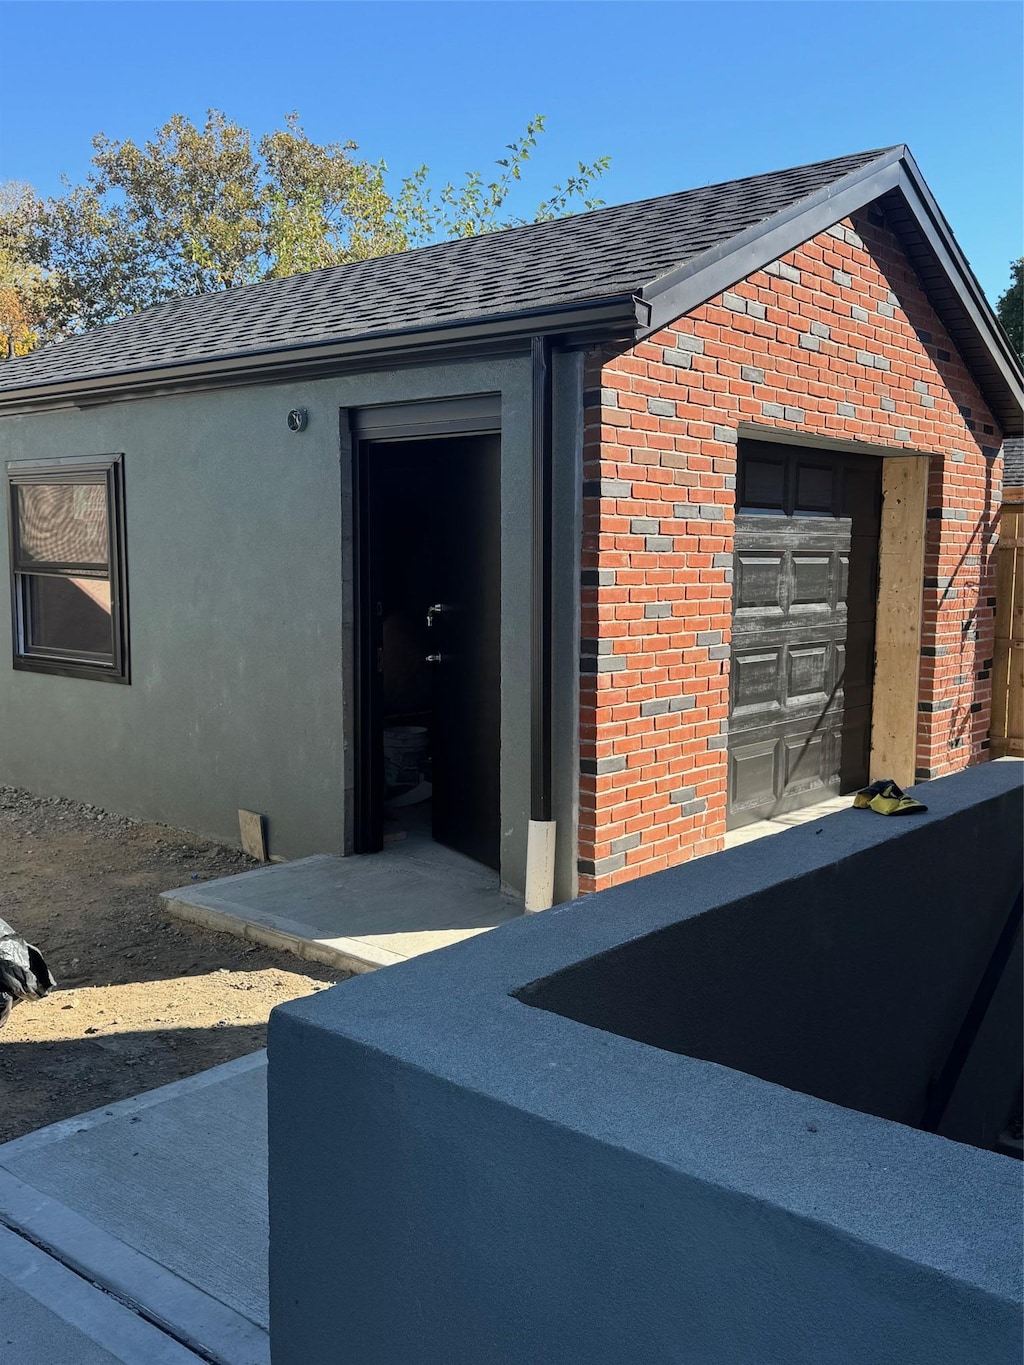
(158, 1206)
(759, 829)
(357, 913)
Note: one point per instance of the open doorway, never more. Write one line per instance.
(428, 632)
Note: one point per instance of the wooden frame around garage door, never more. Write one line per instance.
(899, 617)
(900, 608)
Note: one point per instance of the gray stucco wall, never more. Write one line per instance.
(236, 582)
(458, 1177)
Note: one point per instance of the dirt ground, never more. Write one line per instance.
(141, 999)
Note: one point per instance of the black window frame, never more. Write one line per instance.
(107, 471)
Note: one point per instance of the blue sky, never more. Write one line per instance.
(677, 94)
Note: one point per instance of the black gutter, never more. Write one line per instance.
(509, 333)
(540, 582)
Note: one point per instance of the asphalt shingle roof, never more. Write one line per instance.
(1013, 462)
(603, 254)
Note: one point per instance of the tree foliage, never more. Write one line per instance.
(24, 297)
(1010, 307)
(200, 209)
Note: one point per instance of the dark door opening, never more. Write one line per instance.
(803, 633)
(429, 611)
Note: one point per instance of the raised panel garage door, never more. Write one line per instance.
(803, 630)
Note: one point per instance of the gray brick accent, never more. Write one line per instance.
(888, 404)
(847, 410)
(712, 511)
(599, 767)
(927, 401)
(810, 343)
(860, 314)
(688, 343)
(821, 329)
(719, 652)
(657, 706)
(772, 410)
(609, 398)
(729, 481)
(657, 611)
(852, 238)
(841, 278)
(887, 310)
(921, 386)
(600, 866)
(709, 637)
(592, 646)
(756, 310)
(607, 488)
(721, 560)
(661, 407)
(957, 456)
(866, 358)
(892, 298)
(644, 526)
(597, 578)
(697, 807)
(718, 742)
(658, 545)
(682, 794)
(783, 271)
(795, 414)
(625, 842)
(686, 701)
(837, 230)
(685, 511)
(901, 434)
(727, 435)
(682, 360)
(750, 374)
(608, 664)
(734, 303)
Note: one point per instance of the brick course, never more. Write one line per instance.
(836, 339)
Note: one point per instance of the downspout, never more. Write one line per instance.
(540, 843)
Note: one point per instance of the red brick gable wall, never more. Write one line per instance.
(835, 339)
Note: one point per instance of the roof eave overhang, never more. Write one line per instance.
(575, 325)
(991, 359)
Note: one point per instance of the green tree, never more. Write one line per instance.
(1010, 307)
(200, 209)
(24, 296)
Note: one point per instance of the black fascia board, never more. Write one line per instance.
(681, 290)
(688, 286)
(508, 333)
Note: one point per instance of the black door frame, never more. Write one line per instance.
(475, 415)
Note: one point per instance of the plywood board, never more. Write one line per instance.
(898, 625)
(252, 829)
(1008, 665)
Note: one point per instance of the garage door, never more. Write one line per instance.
(804, 591)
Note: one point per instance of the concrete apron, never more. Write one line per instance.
(138, 1232)
(356, 913)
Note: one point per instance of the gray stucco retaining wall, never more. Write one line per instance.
(237, 576)
(458, 1176)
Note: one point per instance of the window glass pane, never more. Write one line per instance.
(764, 483)
(70, 614)
(814, 488)
(63, 523)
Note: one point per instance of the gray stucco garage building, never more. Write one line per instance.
(522, 458)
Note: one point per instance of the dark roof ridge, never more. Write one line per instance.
(447, 244)
(618, 272)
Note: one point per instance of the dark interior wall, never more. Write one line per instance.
(849, 982)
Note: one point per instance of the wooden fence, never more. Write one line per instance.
(1008, 660)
